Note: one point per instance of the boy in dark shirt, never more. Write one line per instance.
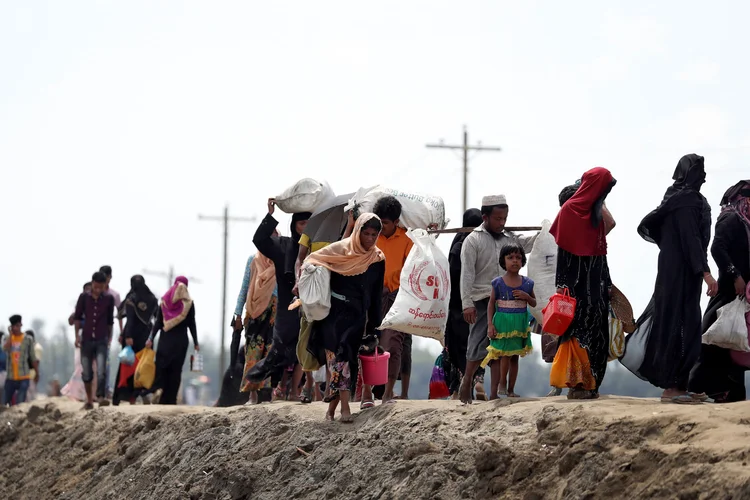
(94, 336)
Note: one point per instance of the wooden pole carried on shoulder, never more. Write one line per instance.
(516, 229)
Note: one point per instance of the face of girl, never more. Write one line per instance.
(513, 262)
(368, 237)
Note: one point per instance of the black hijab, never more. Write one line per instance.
(688, 177)
(141, 299)
(472, 218)
(290, 258)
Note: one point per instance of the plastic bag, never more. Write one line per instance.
(145, 373)
(419, 211)
(421, 306)
(730, 328)
(739, 357)
(315, 291)
(127, 356)
(196, 362)
(438, 386)
(543, 269)
(304, 196)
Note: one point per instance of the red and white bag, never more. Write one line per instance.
(421, 306)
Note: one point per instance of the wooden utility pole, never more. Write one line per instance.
(465, 148)
(225, 219)
(170, 275)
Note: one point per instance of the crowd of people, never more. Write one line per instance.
(286, 356)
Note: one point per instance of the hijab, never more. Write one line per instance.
(688, 177)
(737, 200)
(348, 257)
(290, 258)
(176, 303)
(141, 299)
(578, 228)
(473, 219)
(262, 285)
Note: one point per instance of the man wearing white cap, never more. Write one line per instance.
(480, 264)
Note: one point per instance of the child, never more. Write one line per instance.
(509, 332)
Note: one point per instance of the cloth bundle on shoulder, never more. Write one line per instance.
(543, 270)
(421, 306)
(419, 211)
(305, 195)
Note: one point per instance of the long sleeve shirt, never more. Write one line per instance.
(242, 297)
(480, 262)
(99, 314)
(187, 324)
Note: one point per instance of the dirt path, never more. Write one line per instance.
(532, 449)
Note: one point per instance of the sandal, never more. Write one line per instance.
(333, 396)
(480, 394)
(702, 396)
(278, 395)
(682, 399)
(307, 396)
(367, 405)
(88, 407)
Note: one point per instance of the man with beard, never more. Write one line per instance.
(480, 264)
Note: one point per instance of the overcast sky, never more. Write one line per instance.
(120, 122)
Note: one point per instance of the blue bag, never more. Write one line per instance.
(127, 356)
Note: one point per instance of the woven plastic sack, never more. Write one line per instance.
(305, 195)
(315, 291)
(419, 211)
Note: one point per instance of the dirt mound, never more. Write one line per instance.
(534, 449)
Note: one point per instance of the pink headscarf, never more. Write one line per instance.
(176, 303)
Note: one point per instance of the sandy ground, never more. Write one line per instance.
(531, 449)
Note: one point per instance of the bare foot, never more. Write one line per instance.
(329, 417)
(512, 394)
(465, 393)
(481, 395)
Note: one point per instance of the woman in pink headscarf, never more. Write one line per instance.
(174, 317)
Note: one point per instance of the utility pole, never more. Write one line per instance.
(465, 148)
(225, 219)
(170, 275)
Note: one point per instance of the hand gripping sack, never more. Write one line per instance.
(730, 329)
(421, 306)
(315, 291)
(419, 211)
(543, 269)
(145, 373)
(304, 196)
(559, 313)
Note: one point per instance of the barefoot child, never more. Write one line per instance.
(509, 332)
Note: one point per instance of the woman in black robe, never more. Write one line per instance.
(457, 329)
(716, 374)
(357, 269)
(138, 309)
(283, 251)
(667, 342)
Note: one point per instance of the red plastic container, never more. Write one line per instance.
(558, 315)
(375, 368)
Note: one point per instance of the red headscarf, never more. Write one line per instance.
(578, 228)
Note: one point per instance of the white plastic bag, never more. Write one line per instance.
(315, 291)
(419, 211)
(304, 196)
(543, 269)
(730, 329)
(421, 306)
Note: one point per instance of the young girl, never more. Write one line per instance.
(509, 332)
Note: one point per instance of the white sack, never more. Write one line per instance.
(543, 269)
(304, 196)
(730, 329)
(315, 291)
(418, 210)
(421, 306)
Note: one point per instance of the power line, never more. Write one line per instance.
(170, 275)
(225, 219)
(465, 148)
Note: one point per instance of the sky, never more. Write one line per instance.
(121, 122)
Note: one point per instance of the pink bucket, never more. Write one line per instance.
(375, 368)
